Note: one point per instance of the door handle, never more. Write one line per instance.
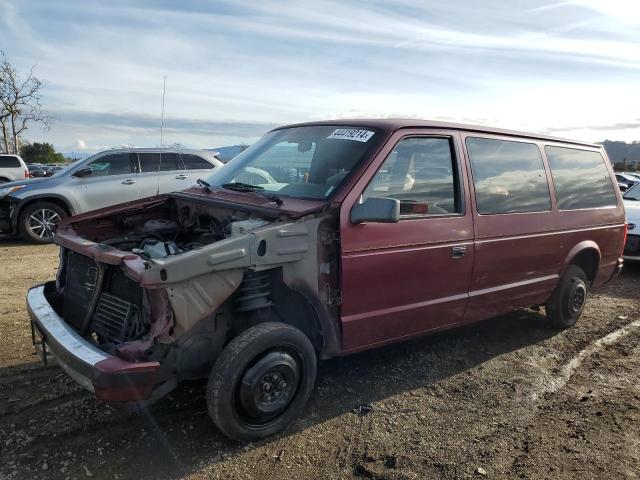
(458, 251)
(128, 181)
(182, 176)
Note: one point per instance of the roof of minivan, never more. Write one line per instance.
(159, 149)
(392, 124)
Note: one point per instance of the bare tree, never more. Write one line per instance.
(19, 104)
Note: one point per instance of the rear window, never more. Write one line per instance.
(9, 161)
(580, 178)
(509, 177)
(154, 162)
(194, 162)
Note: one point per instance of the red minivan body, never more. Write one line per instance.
(402, 279)
(407, 278)
(324, 239)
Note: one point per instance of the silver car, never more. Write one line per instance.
(33, 207)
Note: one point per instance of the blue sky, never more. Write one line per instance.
(237, 68)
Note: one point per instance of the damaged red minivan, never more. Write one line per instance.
(324, 239)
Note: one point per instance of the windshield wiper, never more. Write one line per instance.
(205, 184)
(247, 187)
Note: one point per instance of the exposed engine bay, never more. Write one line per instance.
(158, 236)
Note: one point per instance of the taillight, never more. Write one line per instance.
(626, 231)
(26, 174)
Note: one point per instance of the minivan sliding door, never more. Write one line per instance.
(517, 254)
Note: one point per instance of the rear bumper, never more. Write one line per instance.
(109, 377)
(632, 248)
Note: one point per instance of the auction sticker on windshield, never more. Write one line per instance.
(351, 134)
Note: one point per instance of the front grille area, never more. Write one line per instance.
(82, 278)
(100, 299)
(632, 247)
(116, 320)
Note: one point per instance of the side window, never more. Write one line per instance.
(158, 162)
(508, 176)
(194, 162)
(169, 161)
(149, 162)
(580, 178)
(9, 161)
(115, 164)
(421, 173)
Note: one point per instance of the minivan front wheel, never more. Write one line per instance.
(38, 221)
(261, 381)
(568, 299)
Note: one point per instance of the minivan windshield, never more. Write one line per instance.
(303, 162)
(633, 193)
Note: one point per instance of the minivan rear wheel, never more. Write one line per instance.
(261, 381)
(568, 299)
(38, 221)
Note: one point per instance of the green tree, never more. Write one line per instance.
(40, 153)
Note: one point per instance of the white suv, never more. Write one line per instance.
(12, 168)
(33, 207)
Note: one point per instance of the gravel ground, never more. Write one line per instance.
(505, 398)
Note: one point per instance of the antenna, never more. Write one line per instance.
(164, 89)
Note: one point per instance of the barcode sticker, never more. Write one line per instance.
(352, 134)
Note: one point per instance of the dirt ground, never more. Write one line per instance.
(506, 398)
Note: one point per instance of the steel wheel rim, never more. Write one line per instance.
(280, 372)
(578, 298)
(42, 223)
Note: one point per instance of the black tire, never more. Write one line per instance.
(27, 222)
(238, 378)
(568, 299)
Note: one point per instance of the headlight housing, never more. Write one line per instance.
(7, 190)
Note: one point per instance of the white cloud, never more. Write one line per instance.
(552, 65)
(80, 144)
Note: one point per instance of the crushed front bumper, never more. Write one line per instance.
(109, 377)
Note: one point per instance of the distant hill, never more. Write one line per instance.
(227, 153)
(623, 153)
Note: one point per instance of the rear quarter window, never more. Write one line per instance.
(194, 162)
(9, 161)
(508, 176)
(581, 178)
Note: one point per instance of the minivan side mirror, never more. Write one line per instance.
(83, 172)
(376, 209)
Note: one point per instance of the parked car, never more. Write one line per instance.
(634, 175)
(37, 171)
(632, 209)
(34, 207)
(249, 285)
(625, 181)
(12, 167)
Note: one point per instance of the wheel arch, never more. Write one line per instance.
(322, 330)
(56, 199)
(585, 255)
